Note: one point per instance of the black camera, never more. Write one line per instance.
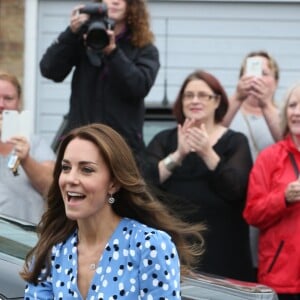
(95, 28)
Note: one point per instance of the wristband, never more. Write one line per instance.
(170, 164)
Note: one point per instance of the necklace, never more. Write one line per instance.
(251, 134)
(88, 256)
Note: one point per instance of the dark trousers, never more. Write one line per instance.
(289, 296)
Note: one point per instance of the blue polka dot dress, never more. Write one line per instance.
(138, 262)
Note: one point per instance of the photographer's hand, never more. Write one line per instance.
(112, 42)
(77, 19)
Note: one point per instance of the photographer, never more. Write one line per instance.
(108, 85)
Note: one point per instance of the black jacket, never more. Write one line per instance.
(113, 93)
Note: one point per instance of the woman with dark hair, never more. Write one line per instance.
(205, 166)
(109, 84)
(104, 235)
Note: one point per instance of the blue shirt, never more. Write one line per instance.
(138, 262)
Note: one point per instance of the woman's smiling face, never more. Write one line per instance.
(117, 10)
(199, 101)
(85, 180)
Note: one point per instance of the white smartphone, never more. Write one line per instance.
(254, 66)
(15, 123)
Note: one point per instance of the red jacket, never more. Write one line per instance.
(279, 223)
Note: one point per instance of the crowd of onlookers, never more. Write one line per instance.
(221, 188)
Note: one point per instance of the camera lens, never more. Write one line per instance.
(97, 38)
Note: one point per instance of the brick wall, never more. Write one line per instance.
(12, 36)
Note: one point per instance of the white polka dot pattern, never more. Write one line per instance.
(138, 263)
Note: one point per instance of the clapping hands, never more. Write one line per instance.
(193, 137)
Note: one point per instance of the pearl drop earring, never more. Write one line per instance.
(111, 199)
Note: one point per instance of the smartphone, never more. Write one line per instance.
(254, 66)
(15, 123)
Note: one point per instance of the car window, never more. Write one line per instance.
(156, 120)
(16, 239)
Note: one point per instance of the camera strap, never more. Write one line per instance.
(94, 57)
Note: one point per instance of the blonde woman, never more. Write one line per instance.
(254, 112)
(21, 193)
(273, 204)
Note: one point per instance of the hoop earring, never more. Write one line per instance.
(111, 199)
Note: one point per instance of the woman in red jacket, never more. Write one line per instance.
(273, 205)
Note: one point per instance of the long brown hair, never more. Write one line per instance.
(133, 200)
(138, 22)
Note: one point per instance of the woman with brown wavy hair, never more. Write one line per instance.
(114, 67)
(139, 23)
(104, 234)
